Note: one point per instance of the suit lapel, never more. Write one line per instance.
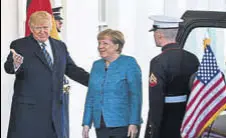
(38, 52)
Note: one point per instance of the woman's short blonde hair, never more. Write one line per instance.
(40, 17)
(116, 36)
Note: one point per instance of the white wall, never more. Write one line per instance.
(9, 32)
(79, 32)
(80, 29)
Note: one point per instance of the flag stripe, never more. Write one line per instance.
(196, 82)
(216, 102)
(200, 99)
(202, 102)
(198, 89)
(207, 98)
(209, 116)
(199, 94)
(205, 111)
(190, 109)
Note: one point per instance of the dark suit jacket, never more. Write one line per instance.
(36, 100)
(169, 76)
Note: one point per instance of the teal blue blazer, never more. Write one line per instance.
(116, 93)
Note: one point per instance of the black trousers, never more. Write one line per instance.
(112, 132)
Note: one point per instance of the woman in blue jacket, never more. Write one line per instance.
(114, 97)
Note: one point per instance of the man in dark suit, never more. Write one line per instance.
(39, 63)
(168, 82)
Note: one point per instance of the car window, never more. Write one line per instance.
(194, 44)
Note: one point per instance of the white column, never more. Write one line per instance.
(102, 10)
(144, 46)
(112, 13)
(156, 7)
(220, 5)
(197, 4)
(22, 6)
(102, 15)
(174, 8)
(127, 23)
(80, 28)
(9, 32)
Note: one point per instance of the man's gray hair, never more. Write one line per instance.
(169, 34)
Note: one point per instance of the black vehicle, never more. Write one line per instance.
(196, 24)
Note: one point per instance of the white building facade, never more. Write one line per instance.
(80, 28)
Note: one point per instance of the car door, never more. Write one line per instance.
(196, 27)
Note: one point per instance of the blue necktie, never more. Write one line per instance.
(47, 56)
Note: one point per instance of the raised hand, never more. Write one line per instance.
(17, 58)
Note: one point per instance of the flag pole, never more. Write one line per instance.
(206, 40)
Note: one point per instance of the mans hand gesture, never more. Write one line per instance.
(17, 59)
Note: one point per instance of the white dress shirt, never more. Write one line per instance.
(48, 49)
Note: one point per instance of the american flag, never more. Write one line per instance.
(207, 98)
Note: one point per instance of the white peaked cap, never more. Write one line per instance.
(164, 22)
